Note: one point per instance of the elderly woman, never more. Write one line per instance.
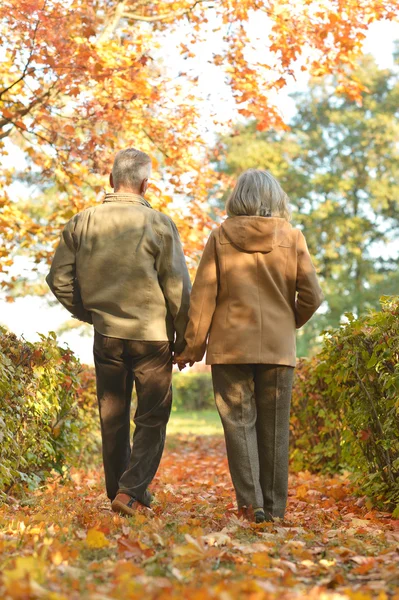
(255, 286)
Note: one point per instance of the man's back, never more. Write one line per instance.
(130, 269)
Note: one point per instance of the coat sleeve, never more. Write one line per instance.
(202, 303)
(62, 279)
(174, 279)
(309, 294)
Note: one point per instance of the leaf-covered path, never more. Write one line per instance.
(65, 543)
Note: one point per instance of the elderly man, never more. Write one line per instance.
(120, 266)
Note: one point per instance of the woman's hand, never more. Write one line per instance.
(181, 361)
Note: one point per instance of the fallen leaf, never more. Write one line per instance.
(96, 539)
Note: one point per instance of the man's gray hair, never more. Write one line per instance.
(130, 168)
(258, 193)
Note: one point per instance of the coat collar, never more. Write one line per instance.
(126, 197)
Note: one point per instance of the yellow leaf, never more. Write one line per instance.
(189, 553)
(261, 559)
(127, 570)
(39, 517)
(56, 558)
(56, 596)
(217, 538)
(355, 522)
(140, 519)
(301, 491)
(25, 566)
(327, 563)
(96, 539)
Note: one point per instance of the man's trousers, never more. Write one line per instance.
(120, 364)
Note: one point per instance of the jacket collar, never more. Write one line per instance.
(126, 197)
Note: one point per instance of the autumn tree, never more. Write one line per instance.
(339, 163)
(80, 80)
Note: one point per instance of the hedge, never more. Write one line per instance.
(43, 427)
(192, 391)
(345, 406)
(48, 409)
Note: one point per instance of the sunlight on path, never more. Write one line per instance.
(204, 422)
(64, 543)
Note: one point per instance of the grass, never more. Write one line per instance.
(204, 422)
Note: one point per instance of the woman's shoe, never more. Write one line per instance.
(259, 515)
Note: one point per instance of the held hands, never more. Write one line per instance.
(181, 361)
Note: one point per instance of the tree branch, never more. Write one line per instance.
(155, 143)
(165, 17)
(20, 113)
(113, 24)
(23, 133)
(25, 71)
(5, 90)
(120, 13)
(155, 19)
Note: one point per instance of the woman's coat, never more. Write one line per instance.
(255, 286)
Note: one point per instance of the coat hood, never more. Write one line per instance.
(256, 234)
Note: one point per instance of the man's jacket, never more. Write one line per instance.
(120, 266)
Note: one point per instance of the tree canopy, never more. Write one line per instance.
(82, 79)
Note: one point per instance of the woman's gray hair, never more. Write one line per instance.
(258, 193)
(130, 168)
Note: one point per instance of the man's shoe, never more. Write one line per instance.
(124, 504)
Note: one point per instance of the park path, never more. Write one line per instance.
(64, 543)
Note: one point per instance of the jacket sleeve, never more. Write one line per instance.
(309, 294)
(62, 279)
(174, 279)
(202, 303)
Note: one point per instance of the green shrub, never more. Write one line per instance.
(42, 426)
(88, 450)
(192, 391)
(346, 404)
(316, 423)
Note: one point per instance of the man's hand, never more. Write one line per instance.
(181, 361)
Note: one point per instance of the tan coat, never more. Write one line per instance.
(120, 266)
(255, 285)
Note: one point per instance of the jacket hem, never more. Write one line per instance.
(225, 359)
(132, 335)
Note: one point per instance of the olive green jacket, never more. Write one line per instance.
(120, 265)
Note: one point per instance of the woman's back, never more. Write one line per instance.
(255, 283)
(254, 320)
(258, 258)
(244, 294)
